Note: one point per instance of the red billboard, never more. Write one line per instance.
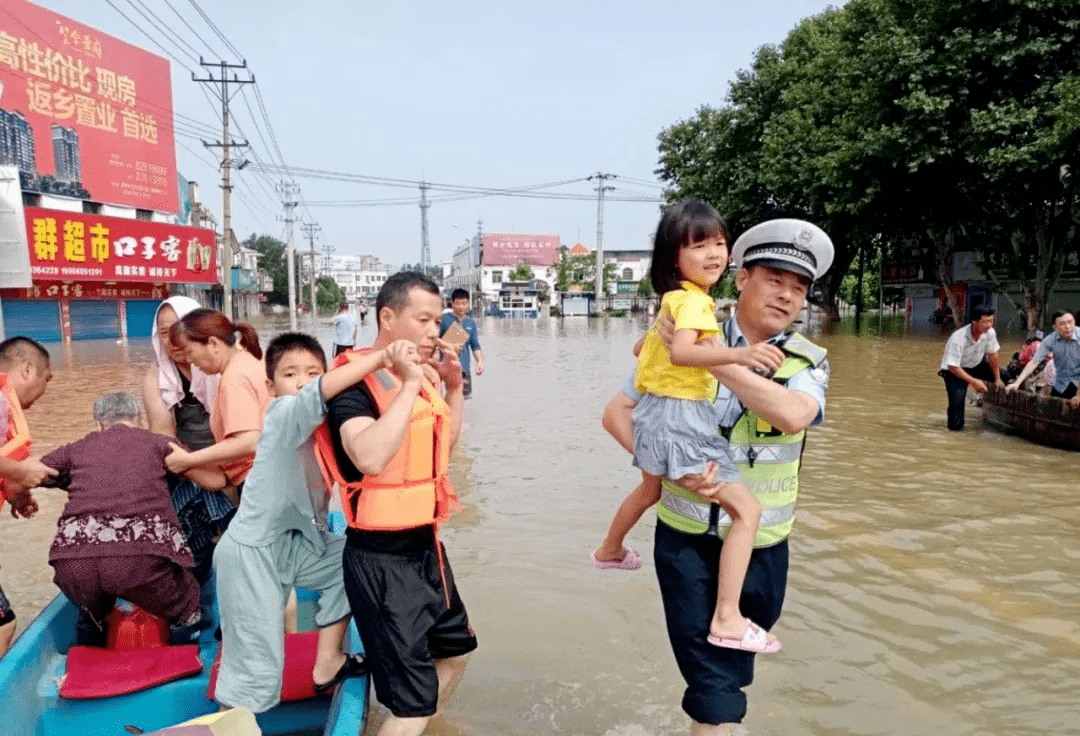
(510, 250)
(83, 114)
(72, 246)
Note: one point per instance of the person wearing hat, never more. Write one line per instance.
(1064, 345)
(971, 358)
(764, 419)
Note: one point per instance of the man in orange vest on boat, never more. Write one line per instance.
(388, 448)
(24, 373)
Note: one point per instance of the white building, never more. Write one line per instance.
(360, 277)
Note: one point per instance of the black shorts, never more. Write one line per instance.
(7, 615)
(400, 608)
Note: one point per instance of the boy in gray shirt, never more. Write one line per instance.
(279, 537)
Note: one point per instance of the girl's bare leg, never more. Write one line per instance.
(636, 503)
(745, 513)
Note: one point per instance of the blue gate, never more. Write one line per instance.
(140, 317)
(94, 320)
(33, 318)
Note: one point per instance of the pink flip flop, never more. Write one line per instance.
(630, 561)
(755, 639)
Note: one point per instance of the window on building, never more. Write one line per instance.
(496, 277)
(91, 208)
(628, 274)
(144, 215)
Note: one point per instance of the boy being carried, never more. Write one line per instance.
(279, 536)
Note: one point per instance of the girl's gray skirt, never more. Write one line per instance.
(676, 437)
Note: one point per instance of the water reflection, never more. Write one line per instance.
(935, 581)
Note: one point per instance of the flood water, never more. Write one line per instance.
(935, 576)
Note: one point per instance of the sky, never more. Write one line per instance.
(478, 93)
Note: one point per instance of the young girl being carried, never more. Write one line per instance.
(675, 431)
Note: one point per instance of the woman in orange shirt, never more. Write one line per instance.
(216, 346)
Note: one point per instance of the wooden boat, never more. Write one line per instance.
(29, 686)
(1041, 419)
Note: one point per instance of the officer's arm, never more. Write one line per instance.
(372, 443)
(787, 410)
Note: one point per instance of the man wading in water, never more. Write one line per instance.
(764, 420)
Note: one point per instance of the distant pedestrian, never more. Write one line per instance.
(971, 358)
(459, 314)
(344, 330)
(362, 309)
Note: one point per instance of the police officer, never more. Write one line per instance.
(765, 419)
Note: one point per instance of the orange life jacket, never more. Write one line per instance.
(16, 435)
(414, 489)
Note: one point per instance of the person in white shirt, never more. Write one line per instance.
(344, 330)
(971, 358)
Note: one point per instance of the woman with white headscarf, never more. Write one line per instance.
(178, 397)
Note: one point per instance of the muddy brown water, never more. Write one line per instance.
(935, 581)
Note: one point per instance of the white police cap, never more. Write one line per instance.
(793, 245)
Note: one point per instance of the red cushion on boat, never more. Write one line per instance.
(101, 673)
(296, 683)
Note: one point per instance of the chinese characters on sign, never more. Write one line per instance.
(54, 290)
(510, 250)
(70, 245)
(86, 111)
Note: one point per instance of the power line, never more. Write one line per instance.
(190, 28)
(215, 29)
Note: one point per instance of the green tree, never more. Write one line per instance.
(521, 272)
(644, 287)
(580, 270)
(272, 262)
(328, 294)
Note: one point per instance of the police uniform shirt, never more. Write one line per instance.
(812, 381)
(962, 351)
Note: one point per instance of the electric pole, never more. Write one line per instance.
(226, 145)
(327, 250)
(288, 194)
(311, 228)
(425, 250)
(600, 189)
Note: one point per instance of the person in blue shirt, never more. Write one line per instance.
(344, 330)
(459, 311)
(1064, 345)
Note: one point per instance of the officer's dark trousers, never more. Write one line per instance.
(687, 568)
(956, 388)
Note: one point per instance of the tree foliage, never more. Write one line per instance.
(941, 125)
(521, 272)
(272, 261)
(579, 269)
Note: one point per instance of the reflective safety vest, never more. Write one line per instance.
(767, 458)
(16, 435)
(414, 489)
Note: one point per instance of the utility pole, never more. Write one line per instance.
(476, 267)
(311, 228)
(327, 249)
(600, 189)
(425, 249)
(226, 145)
(288, 194)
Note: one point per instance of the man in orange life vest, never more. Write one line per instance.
(391, 437)
(24, 373)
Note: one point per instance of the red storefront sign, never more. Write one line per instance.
(72, 246)
(88, 290)
(510, 250)
(89, 116)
